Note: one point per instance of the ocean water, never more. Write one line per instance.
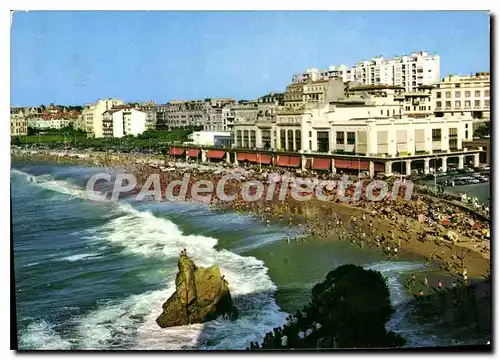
(94, 275)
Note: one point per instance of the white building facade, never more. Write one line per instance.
(118, 123)
(407, 71)
(357, 125)
(463, 96)
(93, 115)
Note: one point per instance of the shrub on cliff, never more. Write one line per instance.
(347, 310)
(354, 305)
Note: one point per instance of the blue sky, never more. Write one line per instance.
(78, 57)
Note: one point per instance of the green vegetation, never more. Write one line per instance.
(352, 305)
(70, 138)
(483, 130)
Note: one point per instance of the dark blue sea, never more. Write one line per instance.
(94, 275)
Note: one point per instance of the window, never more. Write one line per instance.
(351, 138)
(239, 141)
(448, 94)
(458, 104)
(458, 94)
(467, 103)
(438, 95)
(436, 134)
(290, 140)
(340, 137)
(282, 139)
(477, 93)
(467, 94)
(466, 126)
(448, 104)
(252, 139)
(310, 144)
(381, 112)
(486, 93)
(466, 134)
(310, 134)
(457, 85)
(486, 102)
(298, 140)
(477, 102)
(323, 141)
(452, 139)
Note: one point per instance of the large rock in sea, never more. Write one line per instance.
(201, 295)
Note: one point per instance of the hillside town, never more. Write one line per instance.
(394, 115)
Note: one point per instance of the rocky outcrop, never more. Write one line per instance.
(201, 295)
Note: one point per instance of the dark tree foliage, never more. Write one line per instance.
(357, 306)
(483, 130)
(352, 305)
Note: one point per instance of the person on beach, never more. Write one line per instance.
(420, 293)
(453, 286)
(426, 282)
(440, 285)
(284, 341)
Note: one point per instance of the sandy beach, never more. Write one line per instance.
(385, 225)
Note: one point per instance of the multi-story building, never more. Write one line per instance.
(54, 117)
(407, 71)
(50, 123)
(273, 98)
(205, 113)
(122, 121)
(79, 123)
(463, 96)
(342, 72)
(183, 114)
(149, 107)
(294, 95)
(417, 103)
(92, 114)
(18, 122)
(365, 121)
(161, 116)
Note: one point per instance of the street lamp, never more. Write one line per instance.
(435, 175)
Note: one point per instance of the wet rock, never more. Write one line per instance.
(201, 295)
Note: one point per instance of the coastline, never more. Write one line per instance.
(315, 217)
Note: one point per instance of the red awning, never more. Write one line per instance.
(283, 160)
(241, 156)
(294, 161)
(352, 164)
(252, 157)
(363, 165)
(193, 152)
(379, 167)
(321, 164)
(215, 154)
(342, 164)
(264, 159)
(176, 151)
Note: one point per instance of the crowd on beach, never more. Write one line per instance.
(298, 332)
(430, 219)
